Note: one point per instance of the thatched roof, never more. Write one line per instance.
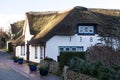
(110, 21)
(17, 28)
(44, 25)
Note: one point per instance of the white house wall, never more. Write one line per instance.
(52, 44)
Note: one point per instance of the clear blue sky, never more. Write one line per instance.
(13, 10)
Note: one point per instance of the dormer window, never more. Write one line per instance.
(86, 29)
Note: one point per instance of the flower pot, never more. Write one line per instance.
(20, 61)
(32, 67)
(43, 72)
(15, 60)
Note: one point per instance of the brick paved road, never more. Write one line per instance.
(6, 73)
(11, 71)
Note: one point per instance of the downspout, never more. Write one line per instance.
(44, 50)
(14, 48)
(27, 52)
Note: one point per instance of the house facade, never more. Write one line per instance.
(46, 34)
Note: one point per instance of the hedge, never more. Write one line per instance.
(65, 57)
(95, 69)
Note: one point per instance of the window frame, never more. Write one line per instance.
(36, 52)
(22, 50)
(82, 28)
(71, 48)
(41, 52)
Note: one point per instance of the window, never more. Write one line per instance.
(71, 49)
(35, 52)
(41, 52)
(79, 49)
(61, 49)
(22, 50)
(86, 29)
(67, 49)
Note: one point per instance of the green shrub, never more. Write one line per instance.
(103, 76)
(32, 64)
(116, 67)
(82, 67)
(75, 63)
(65, 57)
(48, 59)
(105, 73)
(46, 68)
(79, 65)
(117, 76)
(93, 67)
(14, 57)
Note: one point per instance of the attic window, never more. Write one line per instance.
(86, 29)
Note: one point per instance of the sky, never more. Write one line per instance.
(14, 10)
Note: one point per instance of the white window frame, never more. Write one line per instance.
(90, 29)
(70, 48)
(22, 50)
(36, 52)
(41, 52)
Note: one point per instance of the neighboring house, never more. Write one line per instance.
(17, 29)
(46, 34)
(16, 34)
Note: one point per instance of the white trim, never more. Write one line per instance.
(85, 29)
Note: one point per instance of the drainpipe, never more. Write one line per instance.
(44, 50)
(14, 50)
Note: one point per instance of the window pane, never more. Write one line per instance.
(86, 29)
(61, 49)
(91, 29)
(67, 49)
(79, 48)
(73, 49)
(41, 52)
(80, 29)
(35, 52)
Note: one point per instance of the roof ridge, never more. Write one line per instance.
(113, 12)
(40, 13)
(104, 9)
